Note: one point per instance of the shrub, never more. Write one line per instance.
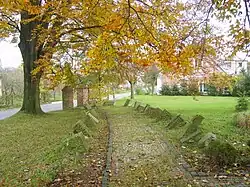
(212, 91)
(184, 89)
(165, 90)
(193, 88)
(221, 153)
(139, 91)
(242, 104)
(242, 119)
(176, 90)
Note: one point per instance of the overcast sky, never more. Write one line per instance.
(10, 54)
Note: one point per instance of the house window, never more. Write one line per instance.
(240, 64)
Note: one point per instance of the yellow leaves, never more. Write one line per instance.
(115, 22)
(221, 80)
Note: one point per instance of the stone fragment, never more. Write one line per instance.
(140, 108)
(127, 102)
(146, 107)
(193, 126)
(92, 117)
(190, 136)
(81, 127)
(109, 103)
(87, 106)
(136, 104)
(205, 140)
(177, 121)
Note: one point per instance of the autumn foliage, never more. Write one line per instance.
(69, 37)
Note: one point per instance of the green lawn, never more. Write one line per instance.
(218, 113)
(31, 147)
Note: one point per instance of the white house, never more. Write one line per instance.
(231, 67)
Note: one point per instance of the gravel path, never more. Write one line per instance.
(141, 155)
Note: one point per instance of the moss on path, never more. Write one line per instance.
(141, 155)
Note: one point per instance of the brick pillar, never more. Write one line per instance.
(79, 93)
(85, 95)
(68, 97)
(82, 96)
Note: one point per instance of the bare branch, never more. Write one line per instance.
(11, 22)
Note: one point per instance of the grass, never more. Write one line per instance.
(31, 147)
(218, 113)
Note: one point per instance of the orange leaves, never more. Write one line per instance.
(115, 22)
(176, 56)
(221, 80)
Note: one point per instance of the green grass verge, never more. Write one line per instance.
(33, 148)
(218, 113)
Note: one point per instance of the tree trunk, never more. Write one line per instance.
(153, 88)
(30, 53)
(132, 95)
(113, 92)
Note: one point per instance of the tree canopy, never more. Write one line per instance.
(63, 37)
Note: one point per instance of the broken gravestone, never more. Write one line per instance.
(146, 107)
(127, 102)
(205, 140)
(136, 104)
(109, 103)
(177, 121)
(155, 112)
(193, 129)
(94, 113)
(81, 127)
(165, 116)
(87, 106)
(140, 108)
(76, 141)
(88, 113)
(149, 110)
(191, 136)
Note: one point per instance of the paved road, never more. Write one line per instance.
(49, 107)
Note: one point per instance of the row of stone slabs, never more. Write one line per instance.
(193, 130)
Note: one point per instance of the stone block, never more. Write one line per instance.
(127, 102)
(92, 117)
(109, 103)
(140, 108)
(136, 104)
(94, 113)
(75, 141)
(154, 112)
(190, 136)
(177, 121)
(87, 106)
(194, 125)
(205, 140)
(146, 107)
(165, 116)
(81, 127)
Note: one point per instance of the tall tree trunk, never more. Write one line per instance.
(132, 95)
(153, 88)
(30, 53)
(113, 92)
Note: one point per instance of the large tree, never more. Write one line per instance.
(154, 31)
